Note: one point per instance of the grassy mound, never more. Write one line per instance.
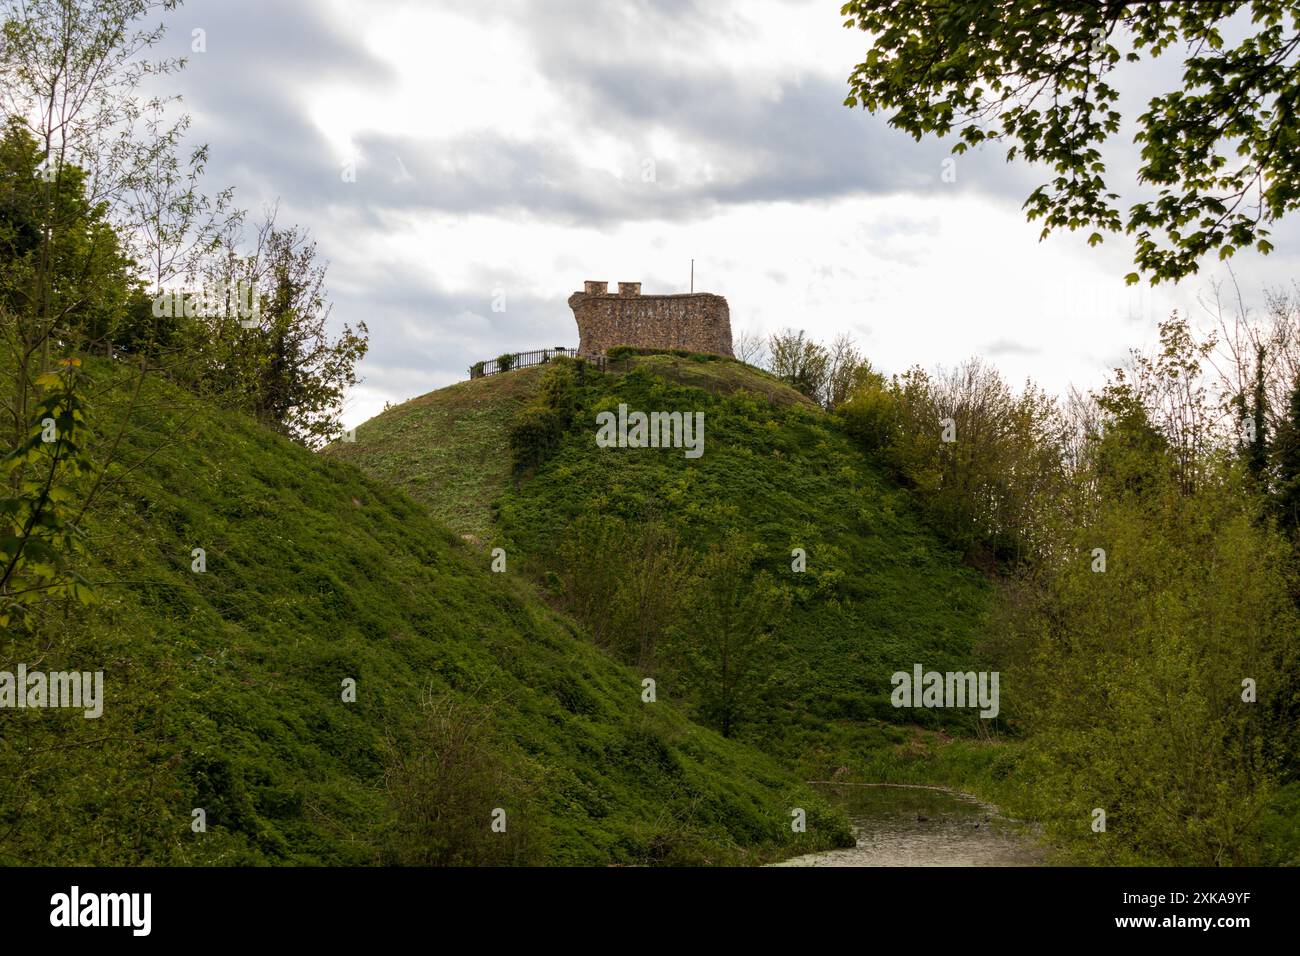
(224, 690)
(880, 592)
(448, 449)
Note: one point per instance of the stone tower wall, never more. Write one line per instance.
(696, 322)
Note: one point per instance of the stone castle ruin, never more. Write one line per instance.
(695, 321)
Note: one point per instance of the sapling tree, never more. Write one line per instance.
(727, 638)
(39, 532)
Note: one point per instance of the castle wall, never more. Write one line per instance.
(696, 322)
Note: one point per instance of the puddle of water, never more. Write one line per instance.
(920, 826)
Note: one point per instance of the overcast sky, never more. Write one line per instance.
(507, 150)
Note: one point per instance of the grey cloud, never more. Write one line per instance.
(244, 92)
(424, 336)
(288, 41)
(1008, 347)
(802, 145)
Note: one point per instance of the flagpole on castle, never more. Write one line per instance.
(692, 275)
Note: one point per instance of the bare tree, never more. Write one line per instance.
(1254, 349)
(173, 225)
(750, 348)
(1171, 386)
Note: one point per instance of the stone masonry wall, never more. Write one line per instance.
(696, 322)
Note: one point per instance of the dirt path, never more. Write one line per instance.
(899, 825)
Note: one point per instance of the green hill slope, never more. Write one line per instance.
(224, 689)
(880, 592)
(448, 449)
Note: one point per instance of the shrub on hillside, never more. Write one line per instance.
(634, 585)
(539, 425)
(986, 485)
(627, 582)
(799, 361)
(871, 415)
(534, 434)
(727, 648)
(444, 787)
